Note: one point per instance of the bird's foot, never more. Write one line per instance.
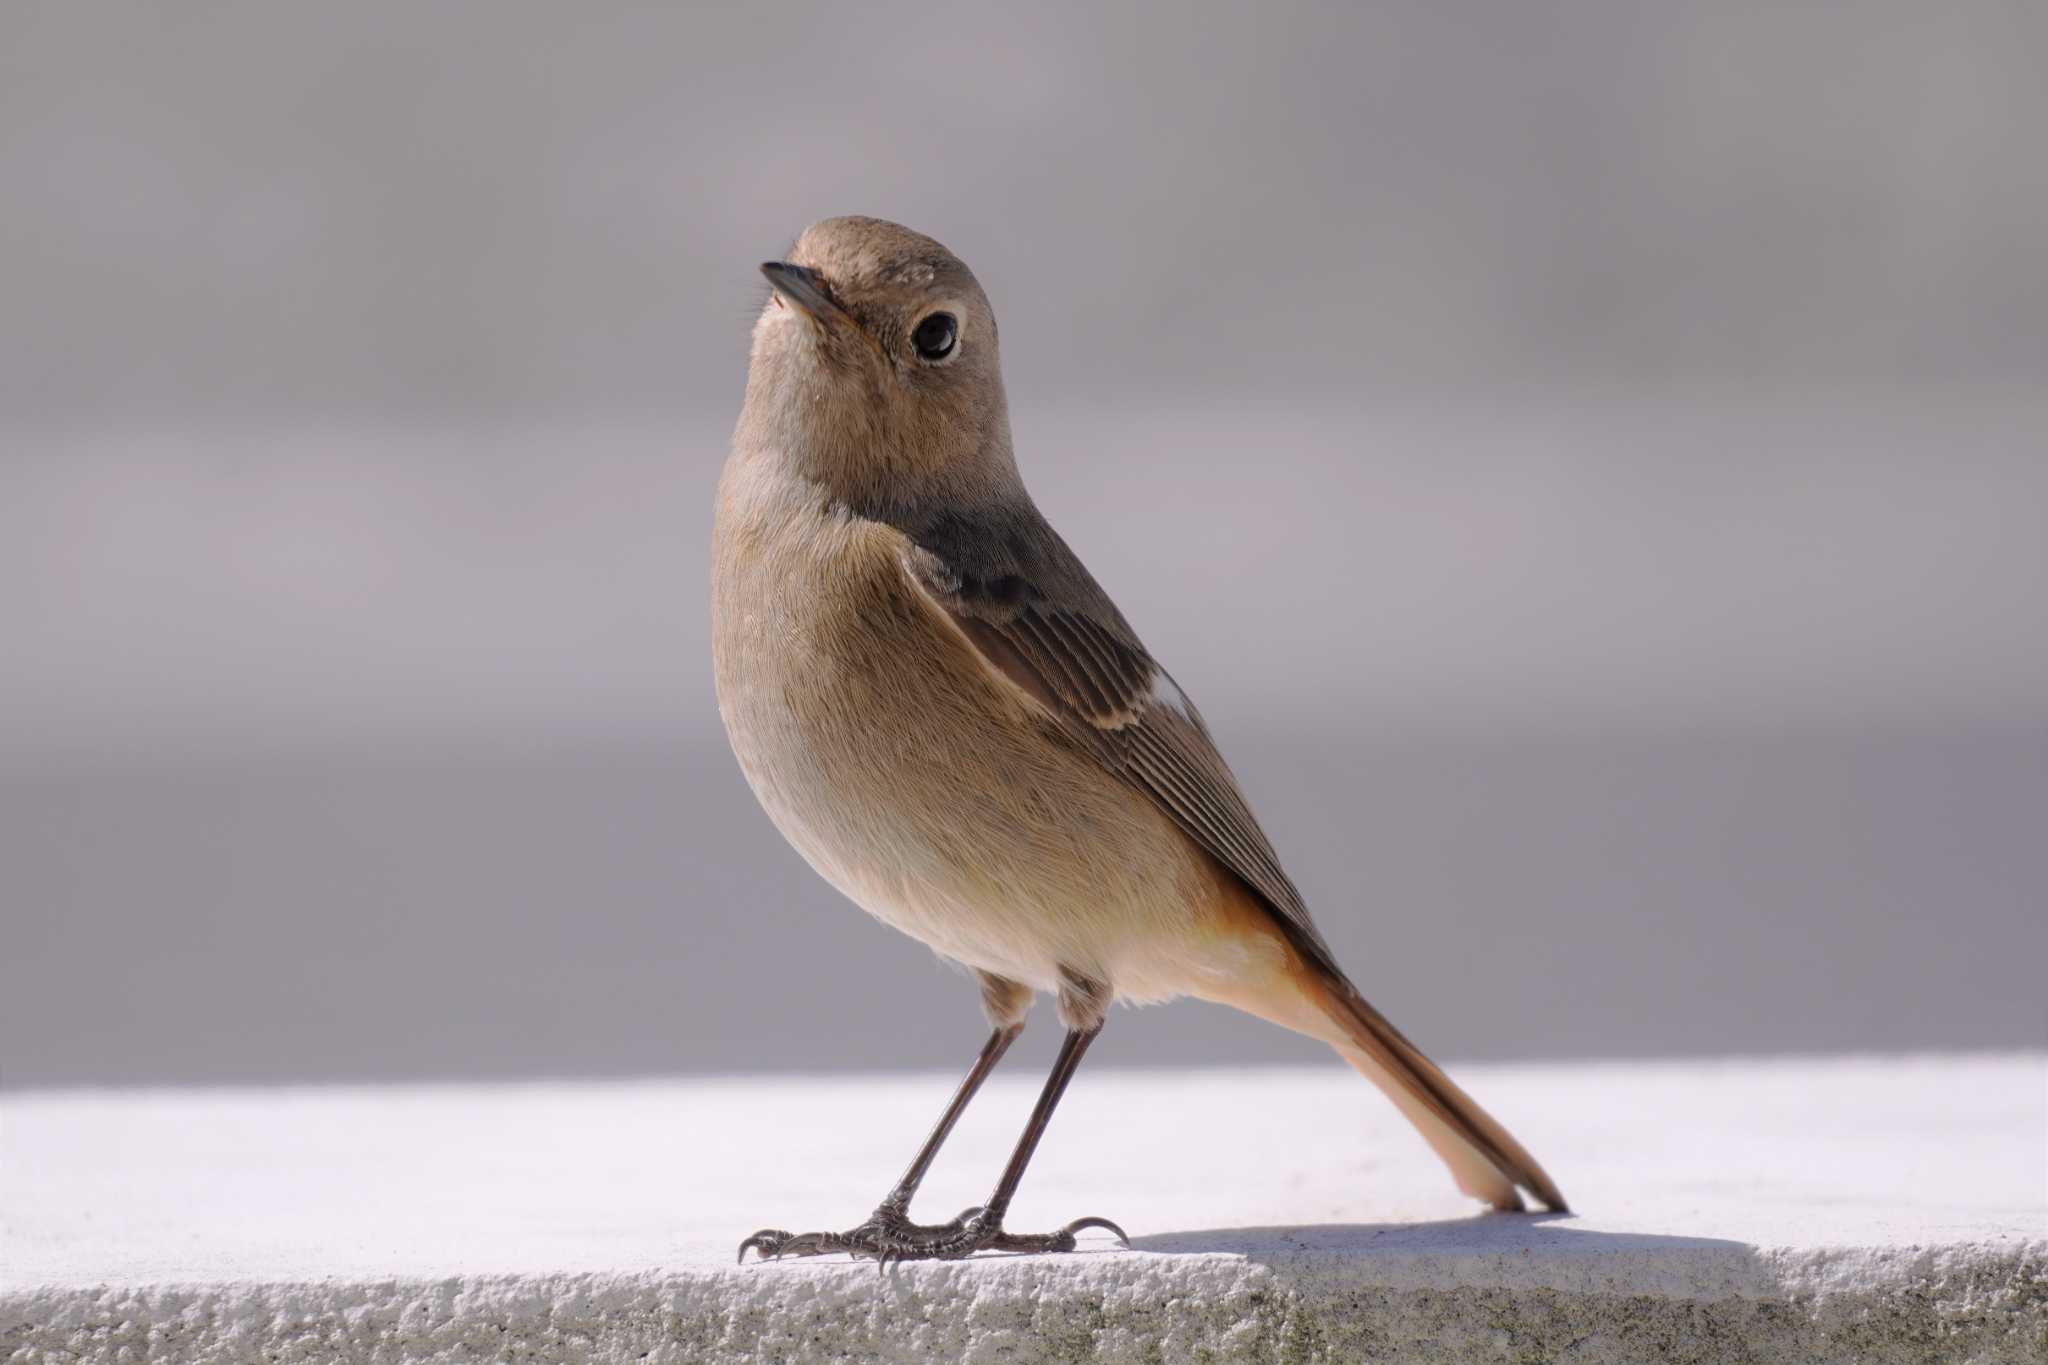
(982, 1231)
(889, 1235)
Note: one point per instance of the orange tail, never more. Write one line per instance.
(1310, 997)
(1484, 1157)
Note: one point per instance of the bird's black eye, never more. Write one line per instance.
(934, 336)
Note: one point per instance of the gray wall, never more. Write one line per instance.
(1587, 460)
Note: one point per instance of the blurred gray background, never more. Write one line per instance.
(1588, 461)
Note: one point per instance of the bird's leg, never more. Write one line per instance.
(890, 1236)
(896, 1205)
(982, 1229)
(889, 1226)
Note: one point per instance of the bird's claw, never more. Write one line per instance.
(1083, 1224)
(889, 1237)
(992, 1237)
(767, 1244)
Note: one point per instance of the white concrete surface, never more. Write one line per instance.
(1863, 1209)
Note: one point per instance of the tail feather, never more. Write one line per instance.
(1484, 1157)
(1299, 988)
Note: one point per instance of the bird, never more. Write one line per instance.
(948, 718)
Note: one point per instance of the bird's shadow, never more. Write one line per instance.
(1478, 1235)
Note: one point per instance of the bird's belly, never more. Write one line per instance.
(930, 794)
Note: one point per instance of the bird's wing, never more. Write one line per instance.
(1026, 602)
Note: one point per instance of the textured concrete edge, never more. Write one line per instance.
(1980, 1305)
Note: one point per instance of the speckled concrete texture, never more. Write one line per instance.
(1870, 1210)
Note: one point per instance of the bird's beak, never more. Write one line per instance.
(806, 289)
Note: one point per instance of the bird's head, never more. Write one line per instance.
(875, 360)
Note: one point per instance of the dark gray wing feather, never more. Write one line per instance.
(1029, 605)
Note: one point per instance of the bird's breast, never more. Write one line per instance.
(915, 780)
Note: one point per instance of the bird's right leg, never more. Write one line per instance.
(889, 1229)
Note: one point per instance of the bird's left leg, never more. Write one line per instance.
(888, 1230)
(1083, 1004)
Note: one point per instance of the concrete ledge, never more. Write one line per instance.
(1847, 1210)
